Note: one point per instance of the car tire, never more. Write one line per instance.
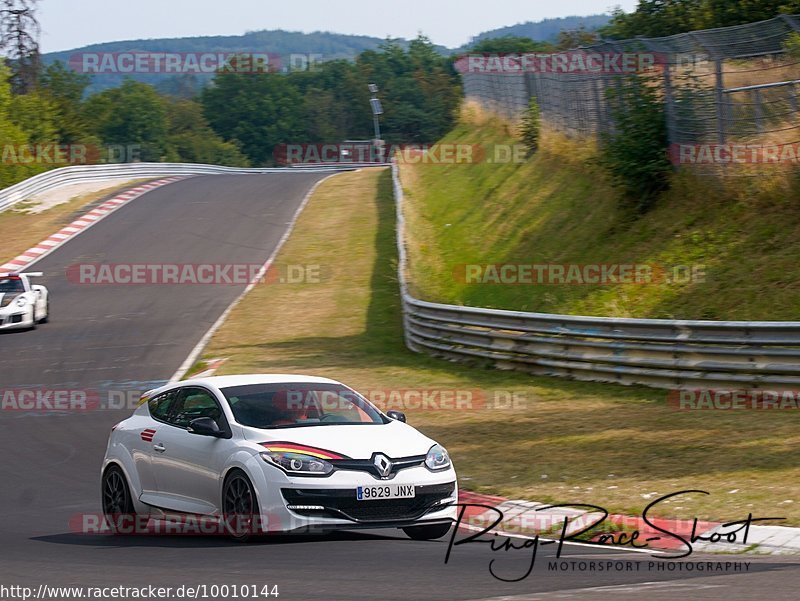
(427, 532)
(240, 509)
(116, 500)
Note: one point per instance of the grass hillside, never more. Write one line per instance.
(552, 446)
(559, 208)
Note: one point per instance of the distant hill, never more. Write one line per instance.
(324, 44)
(328, 45)
(546, 30)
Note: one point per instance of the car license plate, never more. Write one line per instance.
(392, 491)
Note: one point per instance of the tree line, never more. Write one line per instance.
(241, 118)
(238, 120)
(657, 18)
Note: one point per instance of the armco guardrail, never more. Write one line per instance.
(720, 355)
(49, 180)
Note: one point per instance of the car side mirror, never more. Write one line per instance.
(397, 415)
(205, 426)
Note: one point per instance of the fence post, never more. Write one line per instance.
(790, 21)
(720, 91)
(669, 101)
(598, 115)
(759, 114)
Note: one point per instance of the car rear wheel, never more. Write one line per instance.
(240, 507)
(427, 532)
(117, 502)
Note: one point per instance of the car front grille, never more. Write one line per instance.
(368, 465)
(339, 503)
(17, 318)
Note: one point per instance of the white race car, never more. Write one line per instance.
(22, 304)
(274, 453)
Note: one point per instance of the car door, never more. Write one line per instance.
(146, 436)
(188, 466)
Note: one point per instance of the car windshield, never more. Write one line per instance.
(12, 285)
(299, 404)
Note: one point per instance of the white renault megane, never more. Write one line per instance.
(276, 453)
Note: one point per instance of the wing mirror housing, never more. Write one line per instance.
(397, 415)
(205, 426)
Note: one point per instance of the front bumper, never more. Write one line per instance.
(342, 504)
(13, 317)
(314, 505)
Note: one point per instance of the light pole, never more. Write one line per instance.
(377, 111)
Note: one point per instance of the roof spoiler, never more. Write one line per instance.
(16, 274)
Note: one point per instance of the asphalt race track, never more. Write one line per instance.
(106, 338)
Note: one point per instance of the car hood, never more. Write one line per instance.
(394, 439)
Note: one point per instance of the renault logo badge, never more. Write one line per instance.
(383, 464)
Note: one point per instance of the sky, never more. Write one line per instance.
(68, 24)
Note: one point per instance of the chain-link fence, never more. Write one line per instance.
(730, 94)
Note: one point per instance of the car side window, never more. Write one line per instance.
(159, 406)
(194, 403)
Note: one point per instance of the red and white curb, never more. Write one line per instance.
(45, 247)
(212, 365)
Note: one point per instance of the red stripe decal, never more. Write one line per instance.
(304, 449)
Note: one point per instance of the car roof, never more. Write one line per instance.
(243, 380)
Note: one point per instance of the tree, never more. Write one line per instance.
(13, 138)
(636, 150)
(19, 37)
(132, 115)
(191, 140)
(418, 87)
(65, 88)
(572, 38)
(37, 117)
(256, 111)
(510, 45)
(654, 18)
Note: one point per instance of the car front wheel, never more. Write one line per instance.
(240, 507)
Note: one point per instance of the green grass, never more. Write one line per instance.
(20, 230)
(564, 442)
(559, 208)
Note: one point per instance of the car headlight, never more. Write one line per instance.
(297, 463)
(437, 458)
(21, 301)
